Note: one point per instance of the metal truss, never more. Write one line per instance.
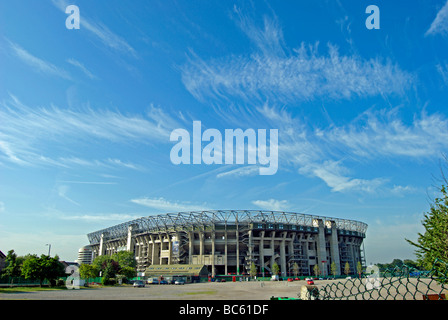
(189, 221)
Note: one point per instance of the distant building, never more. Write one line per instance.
(229, 241)
(85, 255)
(2, 261)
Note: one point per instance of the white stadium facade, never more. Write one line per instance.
(230, 241)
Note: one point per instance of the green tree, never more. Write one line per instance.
(30, 267)
(410, 263)
(99, 262)
(397, 263)
(333, 269)
(88, 271)
(295, 269)
(316, 270)
(43, 268)
(359, 268)
(347, 268)
(253, 270)
(125, 259)
(110, 270)
(275, 269)
(121, 263)
(12, 268)
(433, 243)
(127, 272)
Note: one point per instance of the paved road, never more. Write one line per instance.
(230, 291)
(195, 291)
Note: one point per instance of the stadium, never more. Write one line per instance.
(227, 242)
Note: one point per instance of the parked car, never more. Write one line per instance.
(152, 281)
(179, 281)
(309, 281)
(163, 282)
(138, 284)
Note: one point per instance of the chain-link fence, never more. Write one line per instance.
(399, 283)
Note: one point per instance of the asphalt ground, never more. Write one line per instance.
(192, 291)
(252, 290)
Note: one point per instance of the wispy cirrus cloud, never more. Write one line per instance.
(100, 31)
(240, 172)
(110, 39)
(337, 177)
(95, 218)
(278, 73)
(162, 204)
(440, 23)
(27, 133)
(326, 153)
(442, 69)
(63, 193)
(36, 63)
(79, 65)
(272, 204)
(383, 133)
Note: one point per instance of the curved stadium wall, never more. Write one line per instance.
(230, 241)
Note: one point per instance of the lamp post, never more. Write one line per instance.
(49, 248)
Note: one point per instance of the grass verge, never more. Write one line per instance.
(29, 289)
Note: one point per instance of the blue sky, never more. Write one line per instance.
(86, 114)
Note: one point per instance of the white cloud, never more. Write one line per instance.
(442, 69)
(89, 182)
(327, 153)
(78, 64)
(119, 163)
(334, 175)
(10, 155)
(272, 204)
(268, 39)
(440, 23)
(169, 206)
(99, 217)
(62, 192)
(26, 132)
(37, 63)
(383, 133)
(273, 73)
(240, 172)
(100, 31)
(109, 38)
(402, 190)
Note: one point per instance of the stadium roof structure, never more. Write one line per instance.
(183, 221)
